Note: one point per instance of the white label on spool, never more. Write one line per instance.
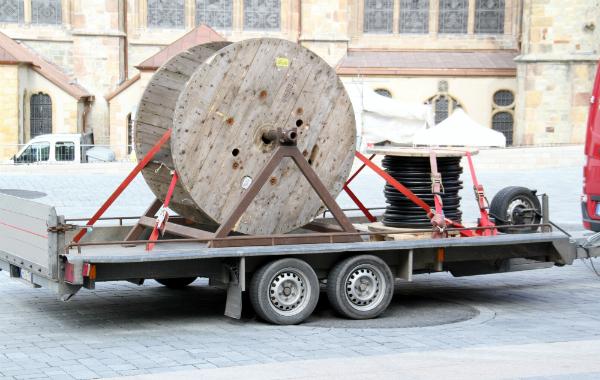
(246, 182)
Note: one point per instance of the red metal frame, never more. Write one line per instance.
(353, 196)
(138, 168)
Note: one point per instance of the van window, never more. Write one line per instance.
(34, 153)
(64, 151)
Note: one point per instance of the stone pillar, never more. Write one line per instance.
(97, 56)
(325, 28)
(555, 71)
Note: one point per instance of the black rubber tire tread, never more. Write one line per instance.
(259, 286)
(336, 287)
(175, 283)
(504, 198)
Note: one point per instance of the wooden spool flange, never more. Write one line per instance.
(155, 117)
(220, 120)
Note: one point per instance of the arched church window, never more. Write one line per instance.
(503, 108)
(383, 92)
(443, 106)
(40, 115)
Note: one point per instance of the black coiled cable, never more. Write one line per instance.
(415, 174)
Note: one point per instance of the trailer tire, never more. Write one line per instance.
(509, 207)
(284, 292)
(175, 283)
(360, 287)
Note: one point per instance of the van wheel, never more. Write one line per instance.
(516, 205)
(360, 287)
(284, 292)
(175, 283)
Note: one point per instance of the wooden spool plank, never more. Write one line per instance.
(155, 117)
(244, 90)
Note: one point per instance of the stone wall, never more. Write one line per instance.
(98, 56)
(556, 70)
(9, 109)
(120, 107)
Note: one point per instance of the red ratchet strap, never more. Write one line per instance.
(138, 168)
(163, 216)
(438, 221)
(484, 219)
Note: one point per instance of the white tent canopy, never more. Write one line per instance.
(459, 130)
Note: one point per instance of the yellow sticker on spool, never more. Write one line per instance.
(282, 62)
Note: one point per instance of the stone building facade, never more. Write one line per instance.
(521, 66)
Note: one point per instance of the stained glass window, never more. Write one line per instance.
(378, 16)
(46, 12)
(215, 13)
(166, 13)
(453, 16)
(414, 16)
(383, 92)
(504, 98)
(443, 106)
(11, 10)
(503, 122)
(262, 14)
(40, 115)
(489, 16)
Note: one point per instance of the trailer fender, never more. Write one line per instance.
(235, 287)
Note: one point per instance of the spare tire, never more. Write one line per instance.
(516, 205)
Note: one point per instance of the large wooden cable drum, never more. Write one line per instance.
(220, 142)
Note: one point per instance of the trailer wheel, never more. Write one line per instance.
(175, 283)
(284, 292)
(360, 287)
(515, 205)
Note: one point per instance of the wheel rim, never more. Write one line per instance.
(519, 211)
(289, 292)
(365, 286)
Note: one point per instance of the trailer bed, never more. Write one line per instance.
(116, 254)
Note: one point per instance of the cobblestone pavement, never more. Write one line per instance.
(122, 329)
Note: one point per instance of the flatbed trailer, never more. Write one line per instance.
(36, 246)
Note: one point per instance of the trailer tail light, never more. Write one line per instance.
(88, 272)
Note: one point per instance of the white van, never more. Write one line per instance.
(61, 148)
